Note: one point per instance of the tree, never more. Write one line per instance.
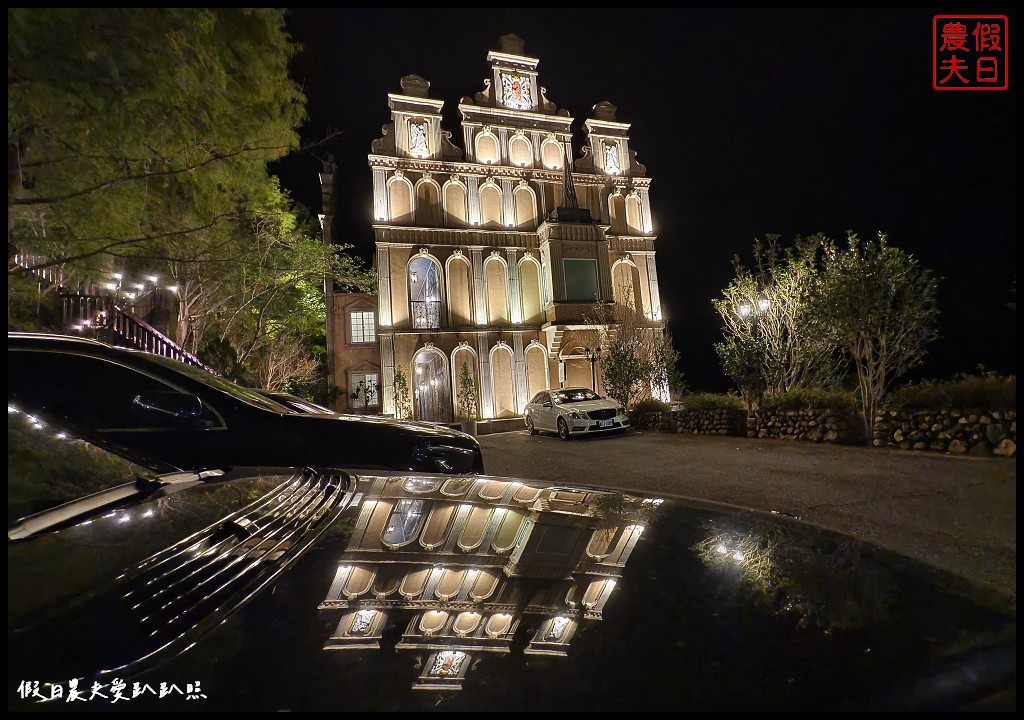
(261, 288)
(879, 306)
(138, 139)
(467, 393)
(771, 345)
(130, 126)
(637, 358)
(401, 394)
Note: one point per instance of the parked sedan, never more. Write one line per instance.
(574, 411)
(367, 591)
(172, 416)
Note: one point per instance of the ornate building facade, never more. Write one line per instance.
(495, 254)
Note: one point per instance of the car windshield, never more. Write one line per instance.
(563, 397)
(252, 397)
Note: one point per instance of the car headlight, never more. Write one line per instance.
(577, 415)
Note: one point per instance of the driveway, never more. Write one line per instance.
(955, 512)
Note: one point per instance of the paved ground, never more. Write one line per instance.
(957, 513)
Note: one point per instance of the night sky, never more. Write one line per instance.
(749, 122)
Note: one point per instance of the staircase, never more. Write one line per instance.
(98, 313)
(83, 313)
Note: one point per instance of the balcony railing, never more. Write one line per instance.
(426, 314)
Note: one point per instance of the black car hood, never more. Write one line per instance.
(426, 593)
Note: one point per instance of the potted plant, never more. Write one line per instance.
(467, 398)
(401, 394)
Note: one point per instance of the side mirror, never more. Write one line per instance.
(168, 407)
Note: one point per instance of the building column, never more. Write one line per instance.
(384, 316)
(503, 146)
(473, 196)
(652, 281)
(387, 373)
(380, 196)
(519, 372)
(486, 380)
(604, 270)
(514, 298)
(479, 286)
(508, 207)
(645, 210)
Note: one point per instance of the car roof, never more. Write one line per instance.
(42, 339)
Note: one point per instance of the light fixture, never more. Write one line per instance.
(153, 279)
(414, 277)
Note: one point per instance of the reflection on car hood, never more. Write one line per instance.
(498, 593)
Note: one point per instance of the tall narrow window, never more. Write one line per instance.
(424, 293)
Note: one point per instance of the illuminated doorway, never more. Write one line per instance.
(431, 391)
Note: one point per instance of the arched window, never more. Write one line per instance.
(526, 209)
(536, 370)
(400, 200)
(530, 291)
(501, 377)
(487, 148)
(431, 397)
(425, 292)
(520, 151)
(626, 285)
(490, 206)
(497, 291)
(633, 214)
(428, 210)
(551, 154)
(463, 355)
(617, 213)
(460, 291)
(454, 205)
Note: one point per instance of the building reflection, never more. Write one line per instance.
(471, 566)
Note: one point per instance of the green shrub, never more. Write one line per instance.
(816, 398)
(643, 408)
(711, 401)
(985, 391)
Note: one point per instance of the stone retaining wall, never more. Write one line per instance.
(809, 424)
(992, 432)
(704, 422)
(952, 430)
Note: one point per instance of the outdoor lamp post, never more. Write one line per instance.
(593, 356)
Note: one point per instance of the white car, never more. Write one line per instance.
(574, 411)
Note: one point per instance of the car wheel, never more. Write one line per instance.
(563, 429)
(529, 426)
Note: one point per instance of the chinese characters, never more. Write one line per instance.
(117, 690)
(969, 52)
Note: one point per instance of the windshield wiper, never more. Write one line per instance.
(142, 488)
